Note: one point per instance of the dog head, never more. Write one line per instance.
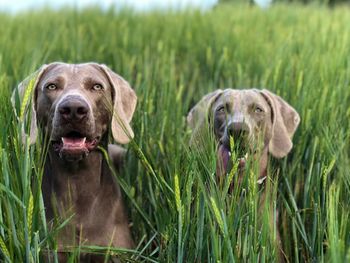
(74, 104)
(257, 120)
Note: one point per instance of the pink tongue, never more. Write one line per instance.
(223, 159)
(76, 143)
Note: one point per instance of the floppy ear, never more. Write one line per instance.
(27, 103)
(199, 113)
(124, 106)
(198, 116)
(285, 121)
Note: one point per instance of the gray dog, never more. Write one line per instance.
(75, 105)
(252, 114)
(262, 122)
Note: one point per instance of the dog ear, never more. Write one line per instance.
(199, 113)
(198, 116)
(285, 121)
(124, 106)
(26, 91)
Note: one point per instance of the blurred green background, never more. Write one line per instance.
(171, 59)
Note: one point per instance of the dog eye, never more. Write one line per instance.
(221, 109)
(51, 86)
(258, 109)
(97, 87)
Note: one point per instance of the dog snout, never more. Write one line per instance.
(73, 109)
(237, 126)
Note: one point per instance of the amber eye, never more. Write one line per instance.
(51, 86)
(97, 87)
(258, 109)
(221, 109)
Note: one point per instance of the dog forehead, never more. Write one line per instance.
(74, 73)
(80, 70)
(242, 97)
(89, 69)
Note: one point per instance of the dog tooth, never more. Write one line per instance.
(261, 180)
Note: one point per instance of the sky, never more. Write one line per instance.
(139, 5)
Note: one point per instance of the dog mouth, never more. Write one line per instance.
(226, 161)
(74, 146)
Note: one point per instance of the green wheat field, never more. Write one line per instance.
(178, 211)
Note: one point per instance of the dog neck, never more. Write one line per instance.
(264, 162)
(62, 180)
(89, 168)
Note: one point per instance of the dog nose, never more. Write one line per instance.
(237, 127)
(73, 109)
